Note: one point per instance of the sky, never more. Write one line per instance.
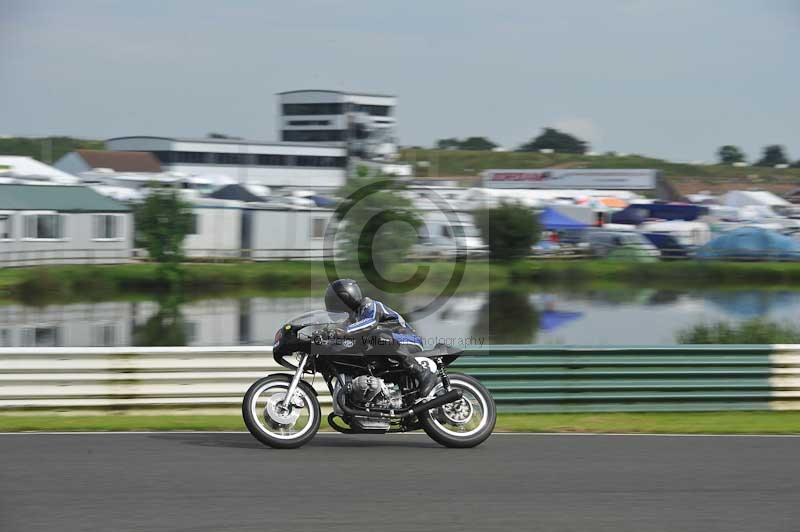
(671, 78)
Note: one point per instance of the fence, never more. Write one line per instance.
(21, 258)
(521, 378)
(65, 255)
(62, 256)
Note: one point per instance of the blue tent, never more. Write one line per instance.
(751, 243)
(551, 219)
(322, 201)
(550, 320)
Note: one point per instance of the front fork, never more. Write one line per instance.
(443, 374)
(295, 380)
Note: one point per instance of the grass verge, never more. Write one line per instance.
(768, 422)
(49, 284)
(687, 273)
(650, 422)
(84, 282)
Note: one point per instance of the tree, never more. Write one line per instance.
(477, 144)
(509, 230)
(448, 144)
(773, 155)
(729, 154)
(470, 143)
(162, 221)
(214, 135)
(378, 225)
(557, 141)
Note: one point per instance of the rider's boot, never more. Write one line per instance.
(427, 379)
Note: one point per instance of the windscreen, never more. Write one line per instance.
(319, 317)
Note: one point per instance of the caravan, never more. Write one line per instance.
(448, 234)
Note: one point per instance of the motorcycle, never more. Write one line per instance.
(371, 392)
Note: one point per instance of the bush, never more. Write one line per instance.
(509, 230)
(757, 331)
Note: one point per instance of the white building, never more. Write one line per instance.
(321, 167)
(60, 224)
(323, 134)
(20, 169)
(216, 229)
(363, 122)
(273, 232)
(639, 180)
(260, 231)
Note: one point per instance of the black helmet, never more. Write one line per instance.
(343, 295)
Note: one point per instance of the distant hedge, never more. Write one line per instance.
(46, 149)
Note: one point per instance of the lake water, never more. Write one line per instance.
(558, 316)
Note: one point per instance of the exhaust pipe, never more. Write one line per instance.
(449, 397)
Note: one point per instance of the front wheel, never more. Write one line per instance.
(275, 425)
(463, 423)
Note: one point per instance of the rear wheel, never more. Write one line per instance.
(275, 425)
(463, 423)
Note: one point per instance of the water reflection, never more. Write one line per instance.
(507, 317)
(753, 304)
(572, 315)
(166, 327)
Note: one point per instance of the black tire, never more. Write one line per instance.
(261, 433)
(447, 438)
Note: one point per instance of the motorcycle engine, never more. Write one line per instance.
(366, 391)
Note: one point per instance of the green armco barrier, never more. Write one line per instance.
(535, 378)
(522, 378)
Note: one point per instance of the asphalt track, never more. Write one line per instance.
(228, 481)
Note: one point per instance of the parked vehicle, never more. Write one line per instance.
(637, 213)
(545, 247)
(371, 393)
(620, 244)
(668, 246)
(445, 239)
(688, 234)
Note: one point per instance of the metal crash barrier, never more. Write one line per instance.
(521, 378)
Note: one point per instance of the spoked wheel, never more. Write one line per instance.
(274, 424)
(463, 423)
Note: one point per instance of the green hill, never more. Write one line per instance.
(444, 163)
(470, 163)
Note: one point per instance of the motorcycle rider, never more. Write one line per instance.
(372, 318)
